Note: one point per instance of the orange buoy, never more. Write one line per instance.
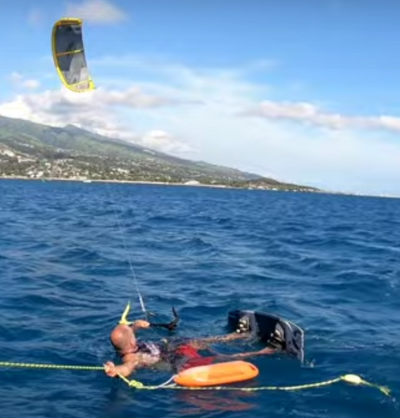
(217, 374)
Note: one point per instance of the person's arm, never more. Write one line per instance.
(202, 342)
(123, 369)
(139, 323)
(135, 326)
(262, 352)
(224, 338)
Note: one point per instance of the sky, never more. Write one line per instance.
(301, 91)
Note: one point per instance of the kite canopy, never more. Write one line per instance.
(69, 55)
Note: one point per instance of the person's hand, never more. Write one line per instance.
(109, 368)
(140, 323)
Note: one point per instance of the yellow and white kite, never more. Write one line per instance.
(69, 55)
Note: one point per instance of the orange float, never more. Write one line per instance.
(217, 374)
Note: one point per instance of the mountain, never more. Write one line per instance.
(30, 149)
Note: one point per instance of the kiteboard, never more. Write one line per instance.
(272, 330)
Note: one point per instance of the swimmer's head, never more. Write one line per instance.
(123, 338)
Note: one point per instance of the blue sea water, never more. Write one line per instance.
(329, 263)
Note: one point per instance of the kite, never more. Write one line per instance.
(69, 55)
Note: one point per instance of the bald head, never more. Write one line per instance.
(122, 337)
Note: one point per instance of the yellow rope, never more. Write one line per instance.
(348, 378)
(50, 366)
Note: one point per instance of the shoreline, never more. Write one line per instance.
(214, 186)
(161, 183)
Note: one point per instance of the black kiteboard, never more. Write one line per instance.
(276, 332)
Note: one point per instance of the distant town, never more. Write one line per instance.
(33, 151)
(88, 169)
(22, 157)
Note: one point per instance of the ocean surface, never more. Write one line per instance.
(331, 264)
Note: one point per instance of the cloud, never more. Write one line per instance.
(31, 84)
(308, 113)
(18, 81)
(193, 113)
(35, 17)
(165, 142)
(96, 111)
(180, 73)
(96, 11)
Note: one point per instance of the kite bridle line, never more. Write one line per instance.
(169, 326)
(126, 252)
(128, 258)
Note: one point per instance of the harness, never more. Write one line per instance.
(148, 347)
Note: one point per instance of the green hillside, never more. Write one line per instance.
(29, 149)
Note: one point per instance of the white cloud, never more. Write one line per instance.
(31, 84)
(35, 17)
(309, 113)
(194, 113)
(18, 80)
(164, 142)
(96, 11)
(96, 111)
(15, 77)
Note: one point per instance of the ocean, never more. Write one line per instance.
(71, 255)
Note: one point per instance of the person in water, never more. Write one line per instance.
(136, 354)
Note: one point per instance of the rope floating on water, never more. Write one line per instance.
(348, 378)
(49, 366)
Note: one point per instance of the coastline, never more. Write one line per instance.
(77, 180)
(189, 184)
(159, 183)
